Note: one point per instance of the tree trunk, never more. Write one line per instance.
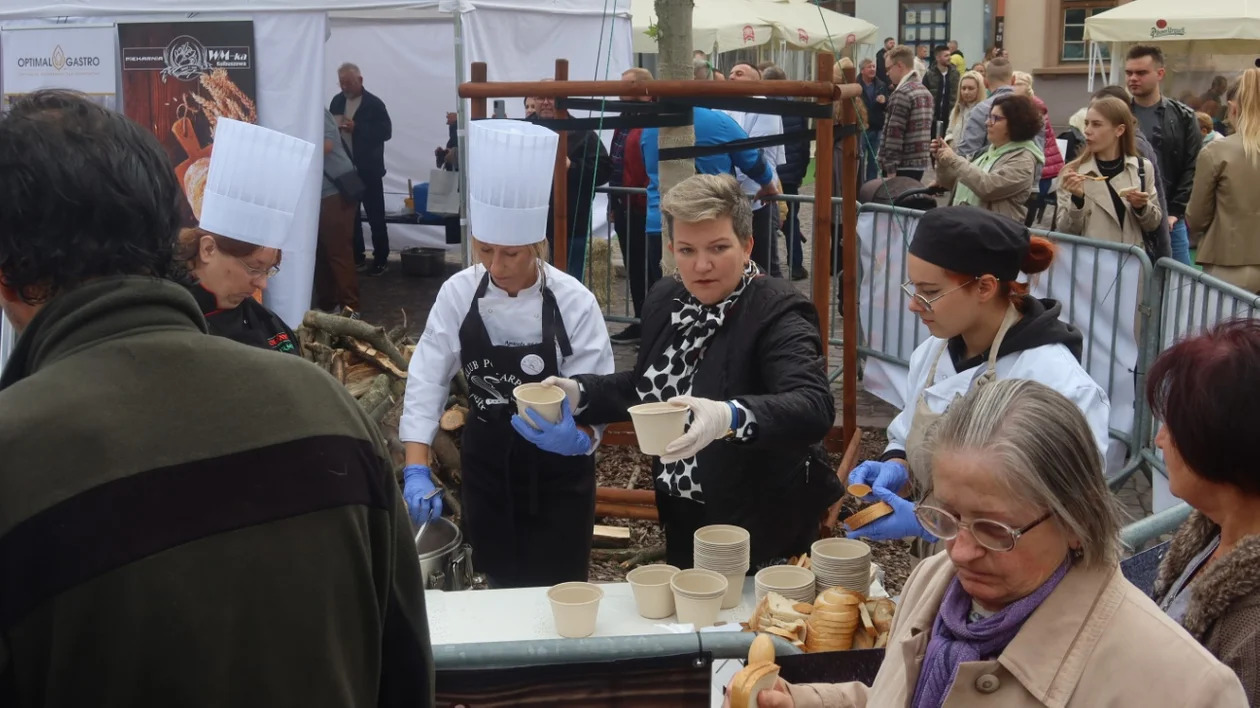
(674, 55)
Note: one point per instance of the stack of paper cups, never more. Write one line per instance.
(724, 549)
(841, 563)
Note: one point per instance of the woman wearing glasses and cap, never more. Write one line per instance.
(964, 264)
(528, 492)
(1028, 607)
(252, 191)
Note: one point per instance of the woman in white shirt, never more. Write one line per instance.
(964, 265)
(528, 504)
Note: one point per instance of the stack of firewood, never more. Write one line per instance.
(372, 364)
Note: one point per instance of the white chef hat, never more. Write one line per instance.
(510, 168)
(255, 181)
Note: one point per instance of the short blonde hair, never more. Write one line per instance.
(639, 73)
(704, 197)
(902, 55)
(1024, 78)
(539, 247)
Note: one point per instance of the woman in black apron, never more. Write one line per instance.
(528, 494)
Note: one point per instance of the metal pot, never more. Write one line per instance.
(445, 560)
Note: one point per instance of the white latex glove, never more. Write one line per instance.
(569, 386)
(710, 420)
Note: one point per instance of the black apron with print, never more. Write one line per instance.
(528, 513)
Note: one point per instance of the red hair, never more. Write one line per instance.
(1204, 390)
(1040, 255)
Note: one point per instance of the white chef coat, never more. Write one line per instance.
(1050, 364)
(758, 125)
(511, 321)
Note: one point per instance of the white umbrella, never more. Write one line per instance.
(1176, 20)
(741, 24)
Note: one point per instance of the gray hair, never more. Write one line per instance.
(1043, 444)
(704, 197)
(700, 69)
(865, 63)
(348, 67)
(774, 73)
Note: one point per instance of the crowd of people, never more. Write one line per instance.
(256, 549)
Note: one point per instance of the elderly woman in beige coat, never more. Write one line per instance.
(1108, 192)
(1003, 176)
(1224, 207)
(1027, 607)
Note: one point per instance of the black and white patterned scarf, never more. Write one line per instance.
(694, 324)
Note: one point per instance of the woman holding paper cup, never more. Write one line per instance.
(252, 190)
(964, 266)
(743, 353)
(509, 321)
(1109, 191)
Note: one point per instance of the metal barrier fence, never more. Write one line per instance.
(1101, 287)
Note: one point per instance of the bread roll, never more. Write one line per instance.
(195, 184)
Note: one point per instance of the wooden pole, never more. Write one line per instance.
(848, 216)
(478, 103)
(633, 497)
(626, 511)
(824, 133)
(560, 186)
(702, 89)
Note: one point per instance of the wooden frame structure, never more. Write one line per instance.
(824, 91)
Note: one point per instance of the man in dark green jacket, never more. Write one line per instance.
(184, 520)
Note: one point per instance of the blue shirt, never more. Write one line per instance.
(712, 128)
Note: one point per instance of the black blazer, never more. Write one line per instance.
(372, 129)
(768, 355)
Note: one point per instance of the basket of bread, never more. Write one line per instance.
(837, 620)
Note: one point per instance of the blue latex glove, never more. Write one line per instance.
(562, 438)
(417, 483)
(902, 523)
(891, 476)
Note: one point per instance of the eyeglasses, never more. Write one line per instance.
(924, 302)
(993, 535)
(993, 118)
(257, 272)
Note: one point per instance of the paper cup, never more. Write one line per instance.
(575, 606)
(653, 596)
(657, 425)
(544, 399)
(734, 589)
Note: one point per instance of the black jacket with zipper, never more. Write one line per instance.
(372, 129)
(1177, 141)
(768, 356)
(795, 152)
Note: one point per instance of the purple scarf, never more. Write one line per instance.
(954, 641)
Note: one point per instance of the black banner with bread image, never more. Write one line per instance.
(179, 79)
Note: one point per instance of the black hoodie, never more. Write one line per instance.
(1040, 325)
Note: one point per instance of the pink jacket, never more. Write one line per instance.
(1054, 158)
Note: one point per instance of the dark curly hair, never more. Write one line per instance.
(1023, 118)
(84, 193)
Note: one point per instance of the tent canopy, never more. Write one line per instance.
(350, 9)
(741, 24)
(1176, 20)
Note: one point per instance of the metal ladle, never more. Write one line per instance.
(423, 527)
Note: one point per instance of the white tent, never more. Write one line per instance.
(1199, 39)
(729, 25)
(519, 38)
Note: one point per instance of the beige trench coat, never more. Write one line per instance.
(1004, 189)
(1097, 219)
(1224, 206)
(1096, 641)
